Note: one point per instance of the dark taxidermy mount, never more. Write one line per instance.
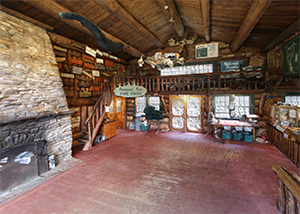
(108, 45)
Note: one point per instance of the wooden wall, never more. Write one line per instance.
(69, 55)
(244, 53)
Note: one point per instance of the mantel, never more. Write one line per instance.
(3, 122)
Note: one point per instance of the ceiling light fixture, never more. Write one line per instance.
(160, 61)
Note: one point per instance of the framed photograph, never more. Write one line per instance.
(207, 51)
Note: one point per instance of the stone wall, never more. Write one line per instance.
(30, 85)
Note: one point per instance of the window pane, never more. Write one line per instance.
(177, 122)
(190, 69)
(193, 123)
(111, 107)
(293, 100)
(193, 106)
(140, 104)
(154, 101)
(118, 105)
(241, 105)
(177, 106)
(222, 106)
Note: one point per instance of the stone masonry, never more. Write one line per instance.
(30, 85)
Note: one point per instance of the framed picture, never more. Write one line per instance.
(291, 60)
(206, 51)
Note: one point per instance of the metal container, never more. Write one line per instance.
(137, 122)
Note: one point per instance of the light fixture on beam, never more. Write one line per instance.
(160, 61)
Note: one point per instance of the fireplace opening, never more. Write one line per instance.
(22, 163)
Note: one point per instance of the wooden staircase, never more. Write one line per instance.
(97, 115)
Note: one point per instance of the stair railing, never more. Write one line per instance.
(97, 115)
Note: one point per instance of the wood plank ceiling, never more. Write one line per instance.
(146, 25)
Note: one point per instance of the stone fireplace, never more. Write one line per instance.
(33, 105)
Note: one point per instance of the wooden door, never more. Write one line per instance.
(185, 113)
(177, 113)
(120, 112)
(193, 113)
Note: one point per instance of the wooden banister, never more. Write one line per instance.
(97, 116)
(288, 190)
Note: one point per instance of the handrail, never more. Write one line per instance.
(288, 181)
(196, 75)
(99, 100)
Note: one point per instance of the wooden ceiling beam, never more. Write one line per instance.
(53, 9)
(290, 31)
(257, 9)
(26, 18)
(113, 7)
(171, 13)
(205, 14)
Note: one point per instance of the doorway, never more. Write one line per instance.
(185, 113)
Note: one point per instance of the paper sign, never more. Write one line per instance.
(105, 54)
(67, 75)
(130, 91)
(99, 52)
(113, 57)
(96, 73)
(101, 61)
(88, 74)
(77, 70)
(206, 51)
(285, 135)
(292, 113)
(90, 51)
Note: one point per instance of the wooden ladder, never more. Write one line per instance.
(97, 115)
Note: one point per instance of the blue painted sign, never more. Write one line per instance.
(231, 65)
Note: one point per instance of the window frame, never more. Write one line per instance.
(284, 94)
(213, 62)
(147, 104)
(251, 96)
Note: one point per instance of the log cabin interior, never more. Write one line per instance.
(171, 106)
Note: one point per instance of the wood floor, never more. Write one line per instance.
(172, 172)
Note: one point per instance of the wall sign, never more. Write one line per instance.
(88, 74)
(206, 51)
(231, 65)
(98, 60)
(66, 75)
(130, 91)
(90, 51)
(291, 60)
(99, 52)
(77, 70)
(96, 73)
(79, 46)
(84, 94)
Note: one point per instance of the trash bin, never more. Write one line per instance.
(137, 122)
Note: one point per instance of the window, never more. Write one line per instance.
(293, 100)
(140, 104)
(118, 104)
(154, 101)
(207, 67)
(231, 106)
(111, 108)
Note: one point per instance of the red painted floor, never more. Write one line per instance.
(172, 172)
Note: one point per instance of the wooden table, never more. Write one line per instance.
(232, 123)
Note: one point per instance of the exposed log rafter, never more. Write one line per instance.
(53, 9)
(26, 18)
(169, 9)
(205, 14)
(113, 7)
(295, 81)
(290, 31)
(257, 9)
